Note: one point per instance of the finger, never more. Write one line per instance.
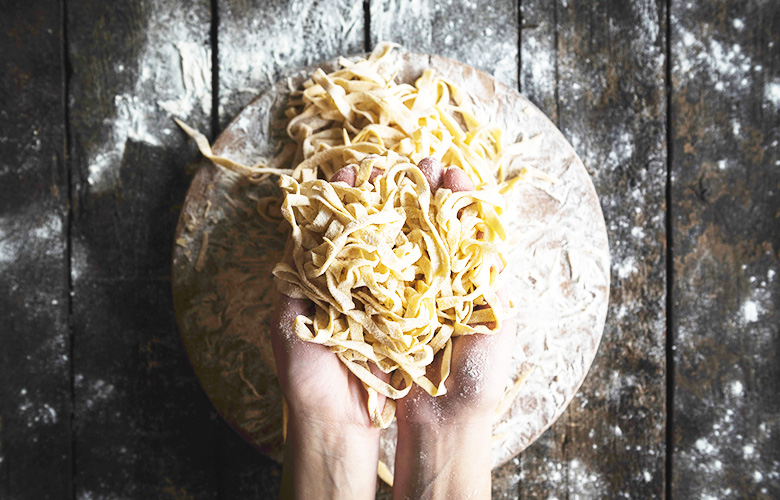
(432, 170)
(375, 172)
(345, 174)
(456, 179)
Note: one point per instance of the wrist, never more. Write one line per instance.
(444, 460)
(329, 459)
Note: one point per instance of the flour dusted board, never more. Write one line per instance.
(142, 428)
(225, 253)
(612, 106)
(726, 195)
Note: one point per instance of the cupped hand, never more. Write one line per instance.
(479, 365)
(316, 384)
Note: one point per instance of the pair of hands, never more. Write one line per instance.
(444, 443)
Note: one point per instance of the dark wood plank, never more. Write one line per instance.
(143, 426)
(726, 168)
(481, 34)
(261, 39)
(612, 107)
(258, 41)
(542, 464)
(35, 403)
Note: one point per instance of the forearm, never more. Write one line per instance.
(450, 461)
(324, 460)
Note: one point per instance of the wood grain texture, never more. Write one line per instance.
(541, 467)
(259, 39)
(35, 438)
(611, 105)
(142, 426)
(726, 194)
(480, 34)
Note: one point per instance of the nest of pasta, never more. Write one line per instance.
(394, 268)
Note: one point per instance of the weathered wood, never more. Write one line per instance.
(35, 438)
(726, 175)
(611, 106)
(480, 34)
(541, 467)
(259, 39)
(244, 473)
(143, 426)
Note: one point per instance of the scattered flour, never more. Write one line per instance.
(750, 311)
(584, 483)
(626, 268)
(26, 233)
(175, 67)
(772, 93)
(726, 66)
(539, 61)
(250, 64)
(36, 413)
(92, 392)
(9, 246)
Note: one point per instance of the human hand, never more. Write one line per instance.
(332, 449)
(444, 442)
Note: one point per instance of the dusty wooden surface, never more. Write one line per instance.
(726, 244)
(670, 104)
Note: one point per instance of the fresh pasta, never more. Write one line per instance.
(395, 267)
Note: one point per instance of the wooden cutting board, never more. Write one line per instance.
(559, 268)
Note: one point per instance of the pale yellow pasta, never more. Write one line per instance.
(394, 270)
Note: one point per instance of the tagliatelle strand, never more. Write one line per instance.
(394, 271)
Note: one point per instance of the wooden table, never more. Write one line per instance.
(673, 106)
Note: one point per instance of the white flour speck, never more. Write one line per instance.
(704, 446)
(736, 127)
(737, 389)
(626, 268)
(750, 311)
(772, 93)
(748, 450)
(738, 24)
(648, 477)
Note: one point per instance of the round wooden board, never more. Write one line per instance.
(559, 268)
